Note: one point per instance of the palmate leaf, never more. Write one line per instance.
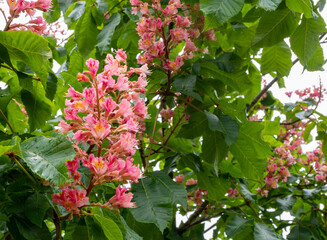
(38, 107)
(109, 227)
(46, 157)
(250, 150)
(28, 48)
(274, 27)
(277, 58)
(301, 6)
(222, 10)
(264, 232)
(105, 36)
(86, 32)
(154, 203)
(269, 5)
(305, 39)
(236, 225)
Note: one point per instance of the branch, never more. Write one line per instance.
(4, 117)
(189, 222)
(57, 223)
(266, 88)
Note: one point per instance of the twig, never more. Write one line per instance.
(151, 139)
(57, 223)
(4, 15)
(4, 117)
(266, 88)
(189, 222)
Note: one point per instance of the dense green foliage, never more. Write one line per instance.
(210, 137)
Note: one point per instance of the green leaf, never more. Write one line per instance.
(299, 233)
(247, 193)
(277, 59)
(250, 150)
(109, 227)
(105, 36)
(51, 89)
(195, 128)
(130, 234)
(264, 232)
(186, 86)
(269, 5)
(238, 80)
(236, 225)
(217, 186)
(64, 4)
(78, 11)
(153, 203)
(37, 107)
(305, 39)
(317, 62)
(28, 48)
(46, 157)
(214, 148)
(36, 206)
(86, 32)
(274, 27)
(223, 10)
(300, 6)
(94, 229)
(286, 203)
(176, 191)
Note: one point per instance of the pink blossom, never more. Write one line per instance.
(71, 199)
(191, 181)
(121, 199)
(166, 114)
(93, 65)
(179, 178)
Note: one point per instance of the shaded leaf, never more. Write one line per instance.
(250, 150)
(105, 36)
(277, 59)
(305, 39)
(153, 203)
(236, 225)
(86, 32)
(274, 27)
(46, 157)
(269, 5)
(223, 10)
(264, 232)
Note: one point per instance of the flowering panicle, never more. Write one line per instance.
(109, 111)
(36, 24)
(157, 40)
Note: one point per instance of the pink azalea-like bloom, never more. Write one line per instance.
(166, 114)
(71, 199)
(191, 181)
(93, 65)
(140, 109)
(121, 199)
(232, 192)
(271, 168)
(174, 65)
(179, 178)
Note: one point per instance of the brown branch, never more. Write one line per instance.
(57, 223)
(191, 219)
(266, 88)
(4, 117)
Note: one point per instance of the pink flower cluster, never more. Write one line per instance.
(37, 24)
(107, 116)
(285, 156)
(315, 93)
(197, 195)
(157, 41)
